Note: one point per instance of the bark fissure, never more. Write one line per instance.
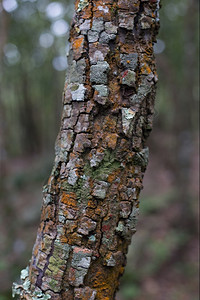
(90, 203)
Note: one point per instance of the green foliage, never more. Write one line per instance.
(35, 174)
(3, 265)
(130, 292)
(31, 87)
(5, 296)
(177, 65)
(161, 249)
(154, 204)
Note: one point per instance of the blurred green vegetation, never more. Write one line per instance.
(32, 72)
(163, 257)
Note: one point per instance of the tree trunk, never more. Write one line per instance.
(90, 202)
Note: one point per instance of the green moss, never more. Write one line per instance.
(48, 272)
(55, 261)
(81, 188)
(82, 191)
(58, 260)
(55, 269)
(65, 186)
(54, 284)
(106, 167)
(114, 11)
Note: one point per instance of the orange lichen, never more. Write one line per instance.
(48, 212)
(72, 275)
(69, 199)
(77, 47)
(111, 140)
(50, 180)
(145, 69)
(91, 204)
(109, 124)
(90, 213)
(71, 238)
(128, 48)
(71, 226)
(97, 126)
(49, 227)
(63, 239)
(102, 9)
(104, 281)
(113, 175)
(149, 49)
(75, 239)
(36, 249)
(78, 43)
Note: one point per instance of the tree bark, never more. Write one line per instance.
(90, 202)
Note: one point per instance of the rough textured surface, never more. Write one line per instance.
(90, 203)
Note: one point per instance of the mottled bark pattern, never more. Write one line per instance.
(90, 203)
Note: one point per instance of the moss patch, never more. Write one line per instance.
(106, 167)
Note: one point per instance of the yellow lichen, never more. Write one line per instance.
(69, 199)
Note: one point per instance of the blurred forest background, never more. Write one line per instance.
(163, 258)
